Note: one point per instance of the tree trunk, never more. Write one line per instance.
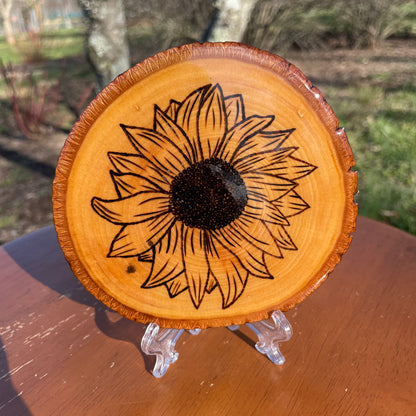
(5, 10)
(107, 47)
(232, 19)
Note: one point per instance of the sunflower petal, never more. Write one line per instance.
(129, 184)
(187, 118)
(260, 153)
(167, 259)
(282, 238)
(258, 234)
(259, 208)
(136, 164)
(296, 168)
(249, 255)
(228, 271)
(257, 266)
(124, 244)
(195, 263)
(133, 209)
(291, 204)
(146, 256)
(172, 109)
(212, 283)
(177, 285)
(234, 284)
(126, 162)
(169, 129)
(234, 107)
(239, 138)
(269, 188)
(137, 239)
(273, 215)
(273, 140)
(158, 151)
(212, 121)
(269, 162)
(126, 184)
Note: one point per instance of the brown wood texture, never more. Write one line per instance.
(352, 353)
(207, 186)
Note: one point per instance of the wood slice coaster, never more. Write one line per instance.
(207, 186)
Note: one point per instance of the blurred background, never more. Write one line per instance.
(57, 54)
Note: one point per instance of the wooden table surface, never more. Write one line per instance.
(352, 353)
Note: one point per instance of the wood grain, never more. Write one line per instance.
(249, 135)
(352, 352)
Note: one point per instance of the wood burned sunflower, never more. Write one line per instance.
(206, 196)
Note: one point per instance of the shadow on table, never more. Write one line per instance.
(40, 255)
(123, 330)
(9, 396)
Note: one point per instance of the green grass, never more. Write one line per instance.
(378, 113)
(381, 128)
(15, 175)
(45, 46)
(65, 43)
(9, 220)
(8, 53)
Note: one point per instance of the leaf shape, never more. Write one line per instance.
(291, 204)
(271, 163)
(234, 108)
(258, 234)
(167, 259)
(262, 209)
(177, 285)
(282, 238)
(239, 138)
(248, 254)
(159, 151)
(195, 263)
(133, 209)
(212, 122)
(263, 148)
(212, 283)
(137, 164)
(175, 135)
(296, 168)
(136, 239)
(230, 274)
(187, 118)
(172, 109)
(267, 187)
(127, 184)
(126, 162)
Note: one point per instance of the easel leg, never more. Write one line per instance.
(269, 333)
(161, 341)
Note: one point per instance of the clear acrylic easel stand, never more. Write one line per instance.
(161, 341)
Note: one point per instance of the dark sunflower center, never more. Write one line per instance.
(209, 194)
